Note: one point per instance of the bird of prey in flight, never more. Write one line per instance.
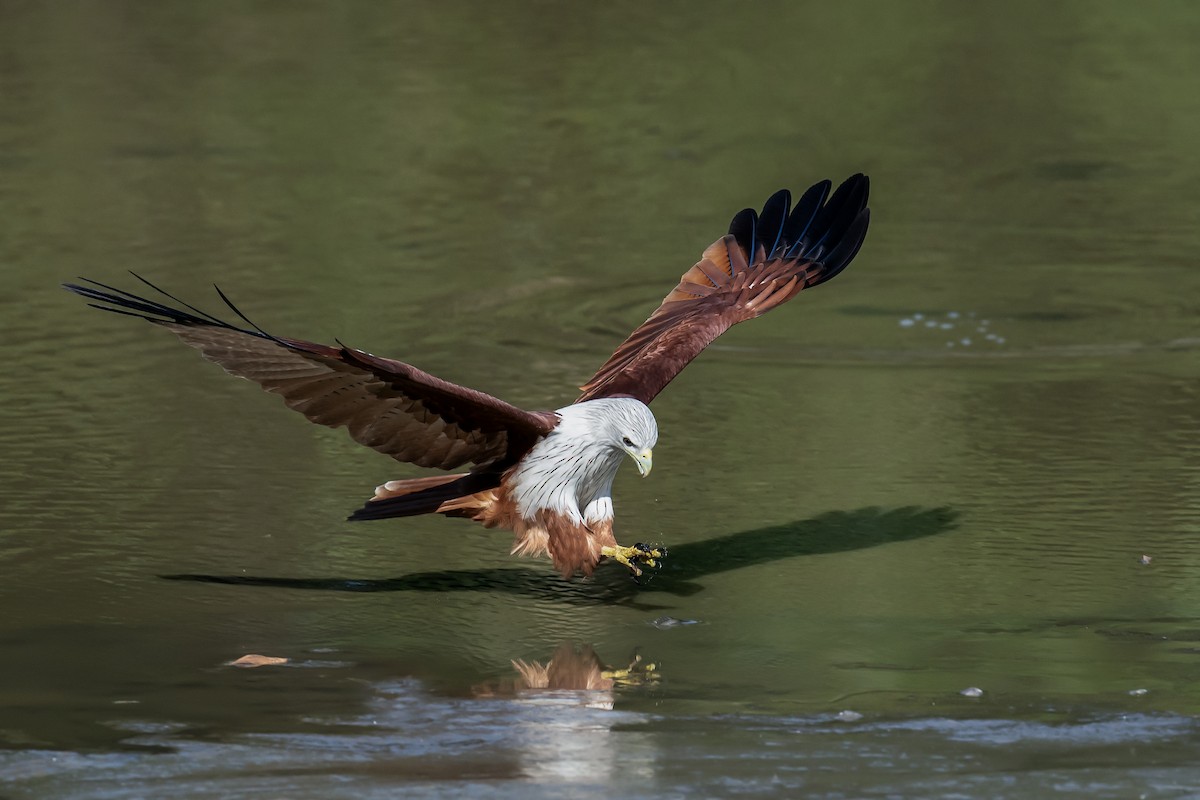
(544, 475)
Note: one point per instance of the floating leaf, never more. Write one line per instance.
(255, 660)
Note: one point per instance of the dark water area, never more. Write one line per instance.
(934, 526)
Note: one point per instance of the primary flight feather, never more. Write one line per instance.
(545, 475)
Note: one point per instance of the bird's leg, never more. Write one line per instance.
(639, 554)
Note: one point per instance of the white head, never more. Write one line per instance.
(622, 424)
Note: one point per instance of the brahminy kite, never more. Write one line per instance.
(544, 475)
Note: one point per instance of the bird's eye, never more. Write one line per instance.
(627, 441)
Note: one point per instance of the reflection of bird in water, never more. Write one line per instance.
(572, 668)
(545, 475)
(563, 717)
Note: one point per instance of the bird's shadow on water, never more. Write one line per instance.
(832, 532)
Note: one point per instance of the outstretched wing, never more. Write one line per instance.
(391, 406)
(765, 260)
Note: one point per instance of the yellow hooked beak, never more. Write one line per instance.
(644, 460)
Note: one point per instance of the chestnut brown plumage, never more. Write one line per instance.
(765, 260)
(546, 475)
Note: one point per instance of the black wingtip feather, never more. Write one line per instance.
(147, 309)
(803, 214)
(117, 311)
(841, 210)
(743, 228)
(119, 301)
(167, 294)
(827, 229)
(247, 320)
(772, 220)
(848, 246)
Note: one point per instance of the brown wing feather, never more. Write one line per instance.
(737, 279)
(388, 405)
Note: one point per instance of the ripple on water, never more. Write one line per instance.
(553, 743)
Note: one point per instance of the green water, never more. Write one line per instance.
(865, 513)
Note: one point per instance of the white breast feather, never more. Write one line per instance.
(571, 475)
(571, 471)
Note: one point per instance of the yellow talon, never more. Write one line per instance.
(636, 674)
(645, 554)
(621, 554)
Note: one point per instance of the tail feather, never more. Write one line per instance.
(415, 496)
